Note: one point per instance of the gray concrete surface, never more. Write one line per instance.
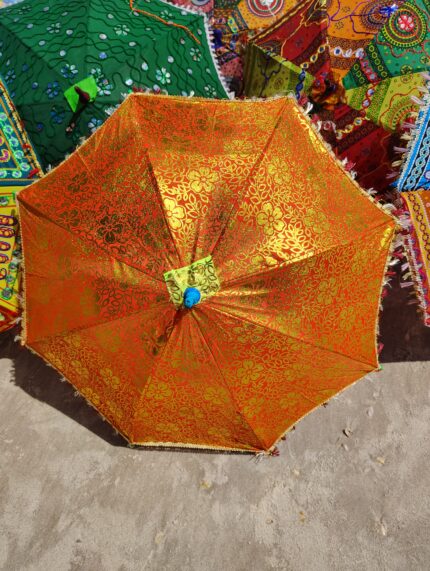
(73, 498)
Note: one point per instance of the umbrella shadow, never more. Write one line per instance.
(43, 383)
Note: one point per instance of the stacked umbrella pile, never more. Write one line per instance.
(203, 271)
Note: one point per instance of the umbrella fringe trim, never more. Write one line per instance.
(411, 269)
(411, 132)
(195, 447)
(390, 256)
(350, 174)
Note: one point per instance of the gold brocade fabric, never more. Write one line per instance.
(298, 252)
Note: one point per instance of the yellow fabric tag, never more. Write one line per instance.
(200, 275)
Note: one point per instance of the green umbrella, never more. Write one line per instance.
(66, 62)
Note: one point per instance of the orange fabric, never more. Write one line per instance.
(298, 250)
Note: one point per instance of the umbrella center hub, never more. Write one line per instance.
(192, 284)
(192, 297)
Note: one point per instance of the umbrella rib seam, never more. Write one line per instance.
(236, 406)
(154, 367)
(287, 263)
(33, 209)
(238, 199)
(160, 200)
(86, 327)
(291, 336)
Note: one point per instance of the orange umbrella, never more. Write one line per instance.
(236, 207)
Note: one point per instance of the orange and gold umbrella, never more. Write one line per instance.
(204, 272)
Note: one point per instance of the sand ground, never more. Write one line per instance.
(348, 492)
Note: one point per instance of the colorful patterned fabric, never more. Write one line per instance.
(414, 184)
(267, 75)
(313, 34)
(368, 147)
(18, 168)
(418, 240)
(401, 47)
(388, 102)
(251, 14)
(298, 38)
(288, 55)
(239, 199)
(310, 37)
(236, 22)
(415, 171)
(387, 73)
(48, 47)
(352, 25)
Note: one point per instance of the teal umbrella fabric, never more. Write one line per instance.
(68, 62)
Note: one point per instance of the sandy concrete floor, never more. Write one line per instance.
(73, 498)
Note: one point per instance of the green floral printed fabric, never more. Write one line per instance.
(48, 46)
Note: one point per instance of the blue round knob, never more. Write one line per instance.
(191, 297)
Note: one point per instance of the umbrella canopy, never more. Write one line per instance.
(210, 283)
(234, 22)
(19, 167)
(308, 51)
(417, 204)
(414, 184)
(352, 24)
(387, 73)
(306, 42)
(249, 15)
(102, 48)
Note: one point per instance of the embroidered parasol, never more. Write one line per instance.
(66, 64)
(414, 185)
(19, 167)
(388, 71)
(210, 283)
(309, 52)
(417, 204)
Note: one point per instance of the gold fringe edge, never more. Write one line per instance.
(390, 257)
(415, 275)
(131, 443)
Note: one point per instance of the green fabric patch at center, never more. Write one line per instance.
(88, 85)
(200, 275)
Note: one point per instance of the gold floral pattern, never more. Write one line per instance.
(109, 378)
(271, 219)
(202, 180)
(249, 371)
(175, 214)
